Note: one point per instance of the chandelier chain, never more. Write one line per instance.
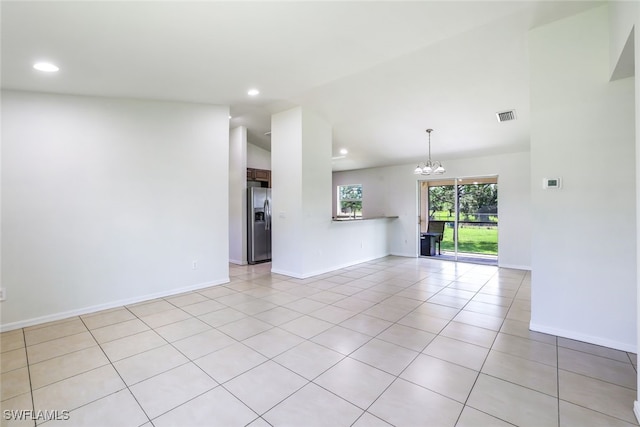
(430, 166)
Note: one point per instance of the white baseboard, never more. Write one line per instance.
(99, 307)
(287, 273)
(238, 262)
(636, 410)
(404, 255)
(325, 270)
(623, 346)
(514, 266)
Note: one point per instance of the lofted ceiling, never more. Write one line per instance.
(381, 72)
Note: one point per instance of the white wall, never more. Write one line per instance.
(636, 39)
(316, 181)
(636, 54)
(584, 235)
(623, 16)
(305, 240)
(258, 158)
(394, 191)
(238, 195)
(374, 190)
(286, 195)
(107, 201)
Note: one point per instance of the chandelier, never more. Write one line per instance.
(430, 167)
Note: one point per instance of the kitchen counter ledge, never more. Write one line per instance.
(362, 219)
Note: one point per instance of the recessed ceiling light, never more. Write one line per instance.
(253, 92)
(47, 67)
(344, 151)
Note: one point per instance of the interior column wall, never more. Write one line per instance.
(301, 181)
(636, 14)
(238, 155)
(584, 234)
(624, 18)
(306, 242)
(286, 193)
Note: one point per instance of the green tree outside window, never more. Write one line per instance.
(350, 200)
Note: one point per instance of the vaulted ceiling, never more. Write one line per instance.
(380, 72)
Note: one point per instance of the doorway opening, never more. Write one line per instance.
(459, 219)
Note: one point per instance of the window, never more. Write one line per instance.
(350, 200)
(469, 206)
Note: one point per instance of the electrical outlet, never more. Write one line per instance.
(3, 294)
(194, 265)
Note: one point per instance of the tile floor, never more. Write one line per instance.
(395, 341)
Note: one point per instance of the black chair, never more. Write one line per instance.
(437, 227)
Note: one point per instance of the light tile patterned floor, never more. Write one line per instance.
(395, 341)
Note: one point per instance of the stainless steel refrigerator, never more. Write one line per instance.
(258, 224)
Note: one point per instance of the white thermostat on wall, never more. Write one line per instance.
(548, 183)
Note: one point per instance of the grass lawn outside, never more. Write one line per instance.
(472, 239)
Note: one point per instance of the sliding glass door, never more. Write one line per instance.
(469, 208)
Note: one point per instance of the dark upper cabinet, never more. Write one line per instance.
(261, 175)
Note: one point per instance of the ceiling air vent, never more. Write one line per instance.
(505, 116)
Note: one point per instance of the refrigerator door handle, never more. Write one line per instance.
(267, 215)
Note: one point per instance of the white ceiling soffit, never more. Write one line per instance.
(380, 72)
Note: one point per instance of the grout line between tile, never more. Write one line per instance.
(26, 353)
(120, 376)
(489, 352)
(379, 277)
